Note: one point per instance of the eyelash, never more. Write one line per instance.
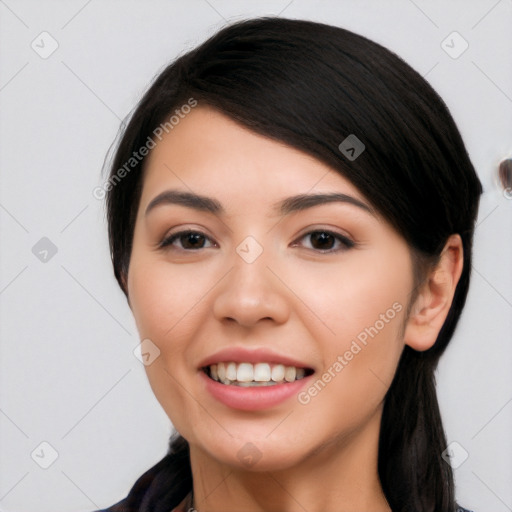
(345, 242)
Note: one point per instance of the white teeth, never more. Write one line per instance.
(290, 373)
(245, 373)
(259, 374)
(221, 371)
(278, 373)
(231, 371)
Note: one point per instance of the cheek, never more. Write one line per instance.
(161, 298)
(359, 364)
(343, 299)
(167, 307)
(357, 322)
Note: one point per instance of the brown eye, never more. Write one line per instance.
(322, 240)
(327, 241)
(187, 240)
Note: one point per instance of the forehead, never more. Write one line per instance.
(209, 152)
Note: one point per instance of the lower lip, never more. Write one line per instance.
(252, 398)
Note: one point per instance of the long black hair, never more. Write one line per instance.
(311, 85)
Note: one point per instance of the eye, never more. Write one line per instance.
(326, 241)
(187, 240)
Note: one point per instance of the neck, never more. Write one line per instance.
(340, 476)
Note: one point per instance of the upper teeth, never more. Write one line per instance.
(245, 373)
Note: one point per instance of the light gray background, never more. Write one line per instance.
(68, 374)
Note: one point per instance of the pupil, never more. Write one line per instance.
(192, 239)
(322, 240)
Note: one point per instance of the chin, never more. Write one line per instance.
(254, 453)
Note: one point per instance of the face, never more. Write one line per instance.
(246, 285)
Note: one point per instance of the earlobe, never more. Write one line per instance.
(435, 297)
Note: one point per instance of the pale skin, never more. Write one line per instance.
(298, 298)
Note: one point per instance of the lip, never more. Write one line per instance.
(255, 398)
(256, 355)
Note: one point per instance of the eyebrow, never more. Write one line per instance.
(188, 199)
(284, 207)
(304, 201)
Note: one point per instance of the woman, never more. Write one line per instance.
(291, 210)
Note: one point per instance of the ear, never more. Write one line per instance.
(435, 297)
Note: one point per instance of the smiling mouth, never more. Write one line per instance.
(254, 375)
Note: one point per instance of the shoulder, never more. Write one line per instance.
(460, 509)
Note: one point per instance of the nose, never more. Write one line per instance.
(249, 294)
